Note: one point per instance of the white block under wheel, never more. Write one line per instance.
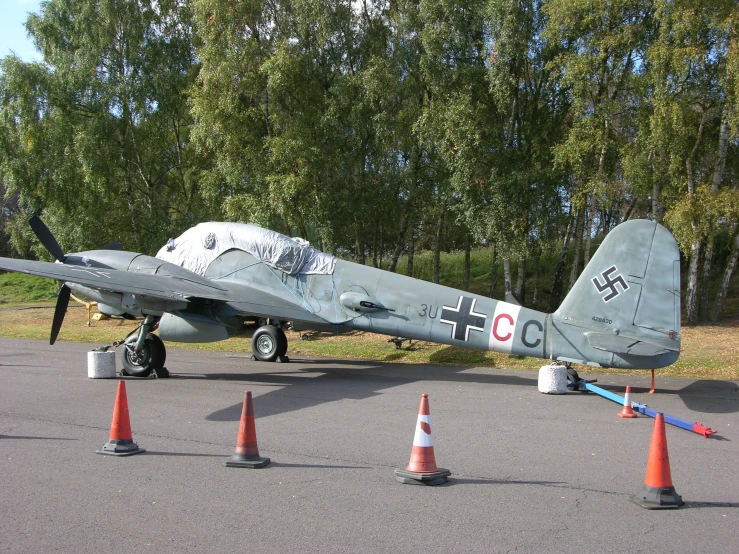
(553, 379)
(101, 365)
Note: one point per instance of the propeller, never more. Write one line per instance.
(62, 300)
(46, 238)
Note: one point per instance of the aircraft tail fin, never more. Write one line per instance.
(628, 296)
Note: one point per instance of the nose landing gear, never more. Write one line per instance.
(143, 351)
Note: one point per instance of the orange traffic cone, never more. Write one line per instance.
(422, 468)
(247, 451)
(627, 412)
(121, 439)
(658, 492)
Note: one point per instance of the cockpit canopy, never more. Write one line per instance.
(197, 247)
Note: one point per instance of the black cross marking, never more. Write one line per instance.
(610, 284)
(463, 318)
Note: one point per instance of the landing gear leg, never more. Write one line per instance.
(144, 352)
(651, 391)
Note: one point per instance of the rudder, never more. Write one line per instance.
(628, 296)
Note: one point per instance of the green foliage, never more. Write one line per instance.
(19, 289)
(98, 133)
(375, 128)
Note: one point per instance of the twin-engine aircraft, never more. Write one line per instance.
(624, 310)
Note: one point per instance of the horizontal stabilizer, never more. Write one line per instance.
(621, 344)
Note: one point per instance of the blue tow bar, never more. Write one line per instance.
(694, 426)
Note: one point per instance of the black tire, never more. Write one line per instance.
(281, 342)
(153, 356)
(265, 343)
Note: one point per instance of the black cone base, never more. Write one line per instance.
(429, 479)
(250, 462)
(654, 498)
(115, 447)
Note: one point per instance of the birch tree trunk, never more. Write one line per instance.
(382, 248)
(467, 250)
(718, 176)
(718, 306)
(691, 300)
(575, 271)
(535, 297)
(520, 292)
(493, 272)
(556, 297)
(437, 246)
(374, 248)
(411, 250)
(361, 259)
(508, 292)
(657, 213)
(399, 245)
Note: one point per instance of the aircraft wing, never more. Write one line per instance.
(620, 344)
(114, 280)
(245, 298)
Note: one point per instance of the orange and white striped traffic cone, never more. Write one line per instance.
(627, 412)
(422, 469)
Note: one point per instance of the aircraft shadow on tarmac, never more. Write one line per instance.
(707, 396)
(368, 379)
(192, 454)
(297, 392)
(25, 437)
(317, 466)
(272, 464)
(690, 504)
(466, 481)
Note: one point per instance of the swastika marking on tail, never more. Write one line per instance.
(610, 284)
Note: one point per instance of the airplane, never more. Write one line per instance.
(622, 312)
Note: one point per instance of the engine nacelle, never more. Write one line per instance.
(193, 328)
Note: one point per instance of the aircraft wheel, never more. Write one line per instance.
(152, 356)
(282, 342)
(266, 343)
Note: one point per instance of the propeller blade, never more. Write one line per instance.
(62, 302)
(46, 238)
(116, 245)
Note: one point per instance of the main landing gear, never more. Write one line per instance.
(143, 351)
(269, 344)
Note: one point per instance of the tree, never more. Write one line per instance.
(692, 105)
(603, 48)
(99, 131)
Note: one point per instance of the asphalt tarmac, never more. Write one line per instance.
(530, 472)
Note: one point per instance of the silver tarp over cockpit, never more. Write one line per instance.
(197, 247)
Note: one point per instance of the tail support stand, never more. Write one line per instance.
(694, 426)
